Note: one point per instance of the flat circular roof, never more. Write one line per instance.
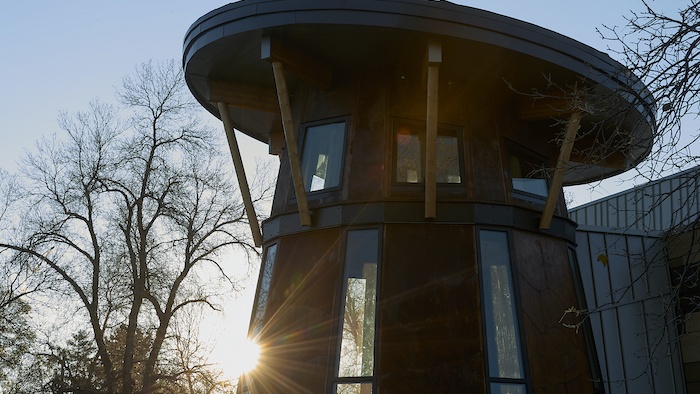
(225, 45)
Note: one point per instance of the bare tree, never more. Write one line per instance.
(133, 217)
(661, 46)
(663, 49)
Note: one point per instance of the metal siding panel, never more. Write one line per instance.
(621, 204)
(693, 195)
(682, 210)
(665, 197)
(613, 351)
(647, 209)
(601, 279)
(637, 263)
(657, 268)
(613, 212)
(618, 268)
(632, 215)
(585, 262)
(659, 345)
(634, 348)
(676, 201)
(597, 331)
(590, 215)
(605, 219)
(657, 197)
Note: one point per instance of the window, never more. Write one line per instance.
(410, 154)
(355, 362)
(263, 290)
(505, 368)
(322, 156)
(527, 173)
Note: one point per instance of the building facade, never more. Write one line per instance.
(418, 239)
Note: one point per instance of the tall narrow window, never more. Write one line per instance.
(355, 363)
(263, 290)
(322, 156)
(410, 154)
(503, 346)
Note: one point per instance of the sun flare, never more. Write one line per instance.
(244, 356)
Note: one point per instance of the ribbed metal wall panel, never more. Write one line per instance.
(626, 283)
(655, 206)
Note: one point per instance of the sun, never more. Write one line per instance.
(244, 357)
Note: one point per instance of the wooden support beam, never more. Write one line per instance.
(558, 178)
(243, 95)
(291, 142)
(309, 68)
(240, 173)
(434, 59)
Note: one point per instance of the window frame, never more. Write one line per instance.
(526, 380)
(513, 149)
(257, 318)
(302, 145)
(420, 127)
(334, 380)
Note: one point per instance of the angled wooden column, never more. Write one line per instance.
(434, 60)
(291, 142)
(240, 173)
(558, 178)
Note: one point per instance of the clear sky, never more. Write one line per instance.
(57, 55)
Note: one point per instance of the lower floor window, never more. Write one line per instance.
(505, 368)
(508, 388)
(355, 363)
(353, 388)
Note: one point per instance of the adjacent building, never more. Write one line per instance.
(639, 260)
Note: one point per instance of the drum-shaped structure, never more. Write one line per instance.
(418, 240)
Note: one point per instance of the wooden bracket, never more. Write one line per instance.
(240, 173)
(291, 142)
(558, 178)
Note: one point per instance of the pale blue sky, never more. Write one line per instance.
(57, 55)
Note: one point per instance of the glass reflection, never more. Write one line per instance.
(448, 169)
(353, 388)
(264, 290)
(507, 388)
(527, 174)
(322, 156)
(357, 337)
(502, 337)
(410, 156)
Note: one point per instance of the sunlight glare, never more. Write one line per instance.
(245, 356)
